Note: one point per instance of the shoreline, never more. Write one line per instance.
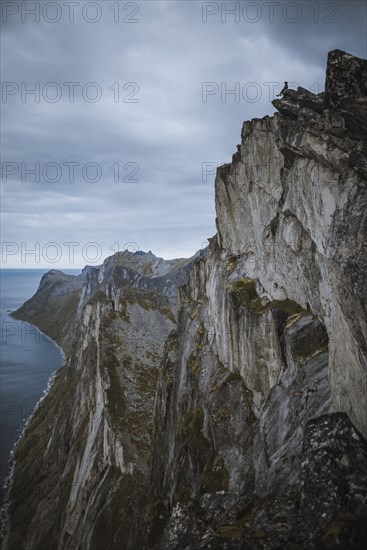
(6, 486)
(40, 331)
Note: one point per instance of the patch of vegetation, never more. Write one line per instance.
(244, 291)
(195, 314)
(199, 337)
(127, 361)
(223, 414)
(155, 357)
(183, 493)
(215, 476)
(196, 460)
(146, 380)
(148, 300)
(231, 263)
(99, 297)
(220, 382)
(123, 313)
(116, 404)
(192, 422)
(138, 425)
(190, 428)
(286, 306)
(156, 518)
(230, 532)
(232, 377)
(194, 363)
(200, 331)
(167, 312)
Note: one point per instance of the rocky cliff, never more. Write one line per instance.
(82, 469)
(256, 367)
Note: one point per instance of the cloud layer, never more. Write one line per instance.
(145, 118)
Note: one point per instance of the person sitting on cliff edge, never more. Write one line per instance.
(284, 89)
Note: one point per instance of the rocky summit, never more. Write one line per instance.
(218, 402)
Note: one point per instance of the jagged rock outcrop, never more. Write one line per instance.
(298, 220)
(271, 341)
(257, 373)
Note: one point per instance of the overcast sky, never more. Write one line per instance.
(122, 128)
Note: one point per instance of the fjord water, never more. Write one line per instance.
(28, 358)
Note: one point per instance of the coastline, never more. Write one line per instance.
(6, 486)
(11, 314)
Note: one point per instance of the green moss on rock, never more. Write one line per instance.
(194, 363)
(155, 520)
(289, 307)
(232, 377)
(244, 291)
(116, 403)
(192, 422)
(215, 476)
(231, 263)
(230, 532)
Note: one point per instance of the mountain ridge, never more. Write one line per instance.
(223, 403)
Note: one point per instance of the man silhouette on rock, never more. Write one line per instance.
(284, 89)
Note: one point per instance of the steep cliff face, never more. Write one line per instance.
(256, 373)
(292, 206)
(82, 468)
(266, 373)
(243, 426)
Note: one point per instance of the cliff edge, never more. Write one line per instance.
(221, 402)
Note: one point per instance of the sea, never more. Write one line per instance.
(28, 359)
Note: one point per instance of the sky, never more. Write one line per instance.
(114, 114)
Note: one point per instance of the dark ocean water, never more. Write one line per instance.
(28, 358)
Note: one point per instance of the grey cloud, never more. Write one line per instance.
(169, 133)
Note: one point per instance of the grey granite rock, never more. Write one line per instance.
(219, 402)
